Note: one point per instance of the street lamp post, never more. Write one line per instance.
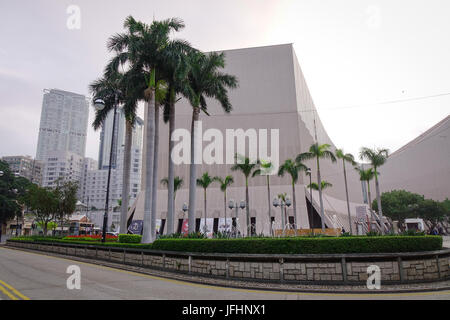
(288, 204)
(234, 205)
(99, 104)
(308, 172)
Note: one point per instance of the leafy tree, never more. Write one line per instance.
(399, 204)
(44, 204)
(66, 195)
(318, 152)
(431, 210)
(12, 188)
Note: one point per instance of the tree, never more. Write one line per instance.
(66, 195)
(399, 204)
(12, 190)
(376, 157)
(315, 186)
(292, 168)
(44, 204)
(204, 182)
(266, 168)
(346, 157)
(178, 183)
(126, 88)
(205, 80)
(247, 168)
(146, 47)
(317, 152)
(366, 175)
(176, 68)
(224, 184)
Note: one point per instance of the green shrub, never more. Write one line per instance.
(413, 233)
(130, 238)
(292, 245)
(324, 245)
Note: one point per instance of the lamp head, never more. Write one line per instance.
(276, 202)
(231, 204)
(99, 104)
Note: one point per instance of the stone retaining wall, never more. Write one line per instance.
(320, 269)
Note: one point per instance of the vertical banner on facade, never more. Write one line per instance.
(209, 226)
(136, 227)
(225, 227)
(185, 227)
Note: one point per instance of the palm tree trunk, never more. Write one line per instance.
(247, 207)
(269, 204)
(155, 172)
(149, 141)
(171, 177)
(193, 172)
(294, 204)
(348, 202)
(319, 182)
(205, 210)
(126, 177)
(370, 204)
(225, 208)
(380, 212)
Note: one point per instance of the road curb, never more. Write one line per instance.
(242, 284)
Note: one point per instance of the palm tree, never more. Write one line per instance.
(292, 168)
(283, 197)
(318, 152)
(128, 88)
(376, 157)
(224, 184)
(315, 186)
(178, 183)
(247, 167)
(176, 69)
(366, 175)
(205, 81)
(205, 182)
(266, 169)
(145, 46)
(346, 157)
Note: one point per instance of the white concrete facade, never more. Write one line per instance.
(272, 94)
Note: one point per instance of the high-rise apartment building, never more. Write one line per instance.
(119, 138)
(63, 126)
(62, 166)
(25, 166)
(95, 182)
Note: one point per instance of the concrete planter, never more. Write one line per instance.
(309, 268)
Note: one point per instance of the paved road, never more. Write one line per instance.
(25, 275)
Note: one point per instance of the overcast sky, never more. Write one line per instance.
(355, 55)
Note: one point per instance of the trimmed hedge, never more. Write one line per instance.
(130, 238)
(299, 245)
(382, 244)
